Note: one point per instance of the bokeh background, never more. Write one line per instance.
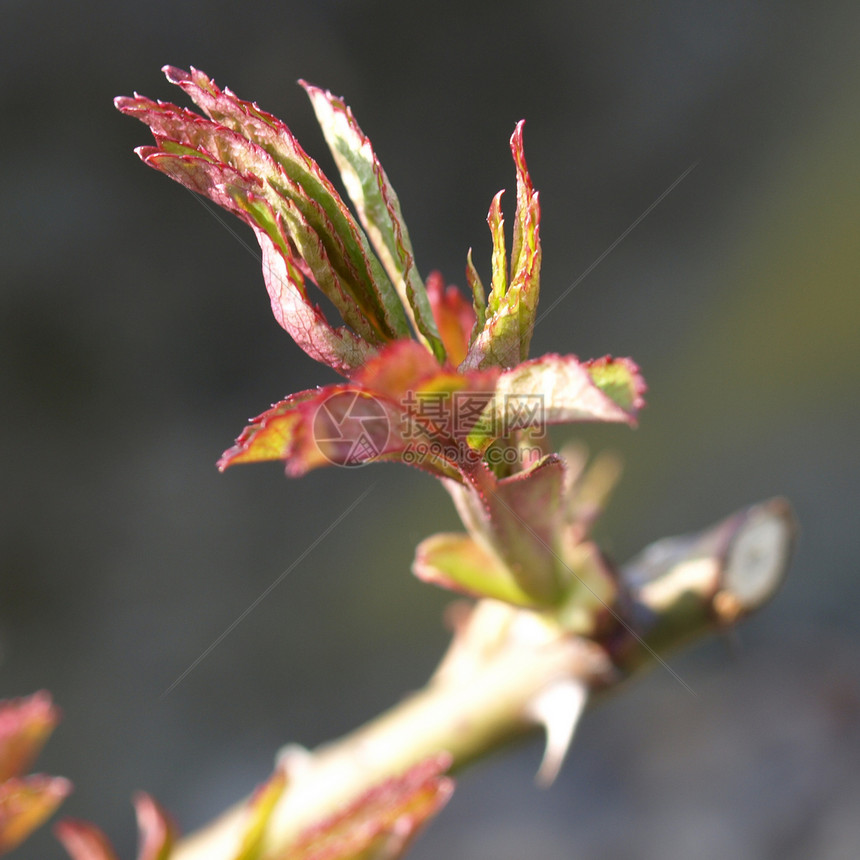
(135, 339)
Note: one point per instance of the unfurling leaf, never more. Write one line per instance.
(528, 542)
(461, 401)
(479, 297)
(504, 337)
(378, 208)
(499, 260)
(248, 162)
(520, 518)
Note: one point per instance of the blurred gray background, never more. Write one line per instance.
(136, 339)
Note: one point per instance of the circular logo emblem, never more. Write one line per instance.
(350, 428)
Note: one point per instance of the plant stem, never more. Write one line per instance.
(502, 659)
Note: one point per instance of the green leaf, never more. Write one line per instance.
(378, 208)
(479, 296)
(270, 435)
(527, 541)
(497, 344)
(499, 259)
(524, 291)
(260, 810)
(307, 227)
(247, 181)
(591, 590)
(458, 562)
(621, 381)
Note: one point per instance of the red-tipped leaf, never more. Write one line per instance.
(25, 725)
(400, 406)
(455, 317)
(84, 841)
(26, 803)
(156, 829)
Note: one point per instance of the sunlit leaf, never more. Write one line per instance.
(524, 291)
(236, 171)
(268, 436)
(274, 137)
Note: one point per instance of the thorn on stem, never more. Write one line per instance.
(558, 709)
